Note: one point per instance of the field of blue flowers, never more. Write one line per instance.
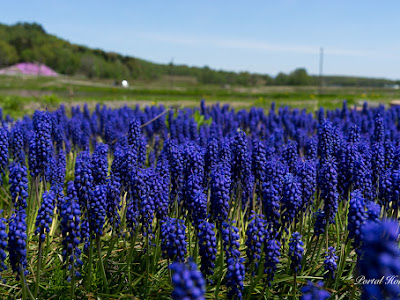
(200, 203)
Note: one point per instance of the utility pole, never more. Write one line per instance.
(171, 75)
(321, 63)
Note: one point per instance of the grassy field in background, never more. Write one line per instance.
(24, 94)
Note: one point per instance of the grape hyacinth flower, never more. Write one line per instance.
(17, 143)
(173, 239)
(132, 216)
(356, 217)
(135, 142)
(271, 205)
(307, 174)
(328, 181)
(70, 228)
(100, 164)
(83, 179)
(147, 201)
(4, 136)
(41, 148)
(230, 237)
(320, 222)
(291, 200)
(97, 210)
(84, 184)
(347, 169)
(235, 277)
(18, 180)
(207, 247)
(225, 153)
(389, 153)
(258, 160)
(296, 251)
(256, 234)
(385, 188)
(236, 270)
(311, 149)
(330, 264)
(162, 182)
(220, 196)
(314, 292)
(379, 130)
(17, 243)
(60, 170)
(363, 179)
(241, 160)
(272, 254)
(176, 162)
(211, 156)
(373, 211)
(3, 245)
(141, 203)
(195, 200)
(45, 214)
(290, 156)
(113, 205)
(380, 256)
(325, 139)
(187, 281)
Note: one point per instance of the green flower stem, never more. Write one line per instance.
(124, 209)
(25, 288)
(24, 291)
(147, 265)
(316, 259)
(103, 271)
(157, 251)
(221, 265)
(132, 249)
(39, 264)
(294, 285)
(189, 236)
(90, 265)
(344, 253)
(169, 272)
(72, 293)
(250, 291)
(111, 244)
(196, 247)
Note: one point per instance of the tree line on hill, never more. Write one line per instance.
(29, 42)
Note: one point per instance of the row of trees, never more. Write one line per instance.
(29, 42)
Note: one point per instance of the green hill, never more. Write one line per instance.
(29, 42)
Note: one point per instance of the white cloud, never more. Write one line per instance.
(257, 45)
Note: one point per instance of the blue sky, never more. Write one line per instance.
(358, 37)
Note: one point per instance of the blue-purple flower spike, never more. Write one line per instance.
(207, 247)
(3, 245)
(187, 282)
(44, 218)
(71, 232)
(4, 144)
(330, 264)
(18, 180)
(173, 239)
(380, 256)
(314, 292)
(17, 243)
(296, 251)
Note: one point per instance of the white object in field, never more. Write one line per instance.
(125, 83)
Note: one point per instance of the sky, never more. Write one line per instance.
(358, 38)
